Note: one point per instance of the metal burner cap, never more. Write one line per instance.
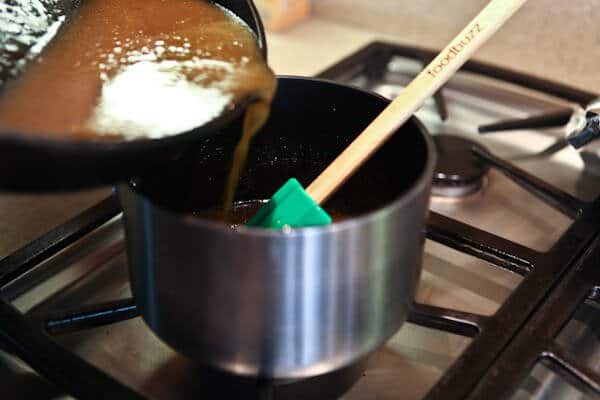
(458, 172)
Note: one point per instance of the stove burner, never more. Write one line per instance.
(212, 384)
(458, 172)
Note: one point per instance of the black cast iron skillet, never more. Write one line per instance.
(30, 163)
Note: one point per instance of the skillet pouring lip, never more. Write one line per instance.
(404, 198)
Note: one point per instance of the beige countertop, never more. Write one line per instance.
(557, 40)
(315, 44)
(319, 42)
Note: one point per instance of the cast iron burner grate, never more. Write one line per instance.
(501, 352)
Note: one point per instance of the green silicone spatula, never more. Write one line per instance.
(295, 207)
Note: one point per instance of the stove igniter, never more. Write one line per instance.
(458, 172)
(587, 125)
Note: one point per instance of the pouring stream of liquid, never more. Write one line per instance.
(256, 116)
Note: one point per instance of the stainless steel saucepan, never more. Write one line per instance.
(283, 304)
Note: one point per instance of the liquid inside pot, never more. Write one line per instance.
(240, 212)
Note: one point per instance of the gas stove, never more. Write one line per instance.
(507, 306)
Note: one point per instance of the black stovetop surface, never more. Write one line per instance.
(525, 332)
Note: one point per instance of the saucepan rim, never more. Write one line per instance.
(417, 187)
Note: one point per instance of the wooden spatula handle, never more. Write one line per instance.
(476, 33)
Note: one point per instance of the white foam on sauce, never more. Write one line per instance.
(153, 100)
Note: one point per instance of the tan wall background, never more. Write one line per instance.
(555, 39)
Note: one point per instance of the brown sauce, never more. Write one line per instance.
(256, 116)
(128, 69)
(241, 212)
